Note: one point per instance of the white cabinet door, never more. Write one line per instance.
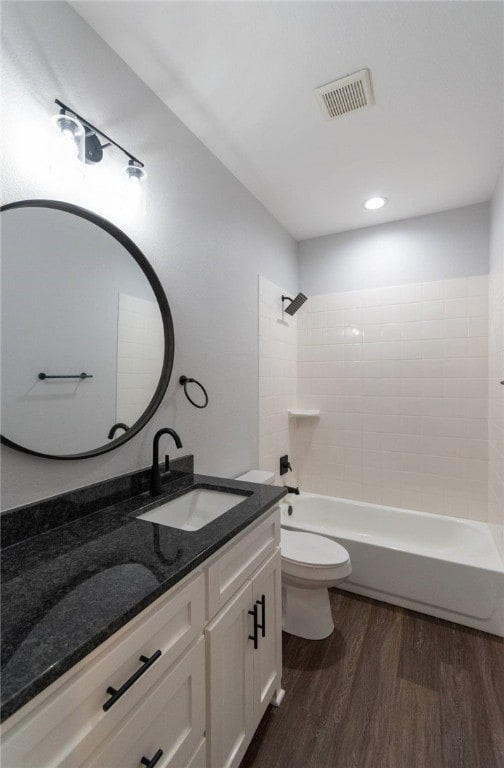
(168, 725)
(230, 666)
(267, 596)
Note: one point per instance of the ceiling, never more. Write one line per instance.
(241, 76)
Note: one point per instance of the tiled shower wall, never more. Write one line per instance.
(400, 375)
(277, 377)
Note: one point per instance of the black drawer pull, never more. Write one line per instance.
(116, 694)
(262, 625)
(254, 636)
(151, 763)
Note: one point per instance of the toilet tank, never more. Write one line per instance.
(258, 476)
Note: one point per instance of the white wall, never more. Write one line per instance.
(436, 247)
(496, 368)
(205, 235)
(277, 379)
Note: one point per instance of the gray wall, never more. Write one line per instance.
(435, 247)
(205, 235)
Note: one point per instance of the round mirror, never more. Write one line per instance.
(87, 333)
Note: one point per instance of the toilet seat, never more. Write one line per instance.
(313, 561)
(311, 550)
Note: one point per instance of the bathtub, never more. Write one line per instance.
(442, 566)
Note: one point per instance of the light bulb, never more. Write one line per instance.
(72, 136)
(135, 188)
(374, 203)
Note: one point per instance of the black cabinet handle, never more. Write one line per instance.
(115, 695)
(262, 625)
(254, 636)
(151, 763)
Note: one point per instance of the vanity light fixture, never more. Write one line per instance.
(72, 133)
(374, 203)
(85, 140)
(135, 174)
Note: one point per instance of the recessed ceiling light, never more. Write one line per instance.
(374, 203)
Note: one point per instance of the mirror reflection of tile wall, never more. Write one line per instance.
(140, 350)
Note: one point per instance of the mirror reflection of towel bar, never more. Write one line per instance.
(66, 376)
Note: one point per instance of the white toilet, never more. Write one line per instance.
(310, 565)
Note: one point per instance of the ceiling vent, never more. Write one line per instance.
(346, 94)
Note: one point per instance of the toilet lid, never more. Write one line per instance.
(311, 549)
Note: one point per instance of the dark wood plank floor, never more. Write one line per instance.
(389, 689)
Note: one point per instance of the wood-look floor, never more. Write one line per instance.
(389, 689)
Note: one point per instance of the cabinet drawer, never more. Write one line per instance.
(61, 722)
(171, 718)
(237, 564)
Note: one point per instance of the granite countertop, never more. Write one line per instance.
(67, 589)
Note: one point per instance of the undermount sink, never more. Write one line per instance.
(193, 510)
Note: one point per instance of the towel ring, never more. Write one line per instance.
(184, 380)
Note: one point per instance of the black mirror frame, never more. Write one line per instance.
(169, 337)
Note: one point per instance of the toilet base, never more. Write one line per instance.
(306, 612)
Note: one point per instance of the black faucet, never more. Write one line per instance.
(292, 490)
(115, 427)
(155, 476)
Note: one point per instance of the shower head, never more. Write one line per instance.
(295, 304)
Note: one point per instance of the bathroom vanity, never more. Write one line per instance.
(133, 643)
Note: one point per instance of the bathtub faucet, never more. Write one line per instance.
(292, 490)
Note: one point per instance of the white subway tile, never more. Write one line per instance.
(371, 297)
(411, 293)
(335, 318)
(318, 320)
(455, 289)
(390, 350)
(411, 330)
(371, 315)
(371, 333)
(455, 348)
(352, 299)
(478, 285)
(477, 368)
(433, 329)
(392, 295)
(352, 316)
(411, 349)
(455, 367)
(478, 326)
(477, 346)
(391, 331)
(456, 328)
(318, 336)
(411, 312)
(433, 310)
(335, 335)
(433, 291)
(456, 307)
(390, 313)
(432, 369)
(432, 348)
(334, 302)
(478, 306)
(318, 303)
(353, 352)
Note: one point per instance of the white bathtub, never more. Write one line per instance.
(443, 566)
